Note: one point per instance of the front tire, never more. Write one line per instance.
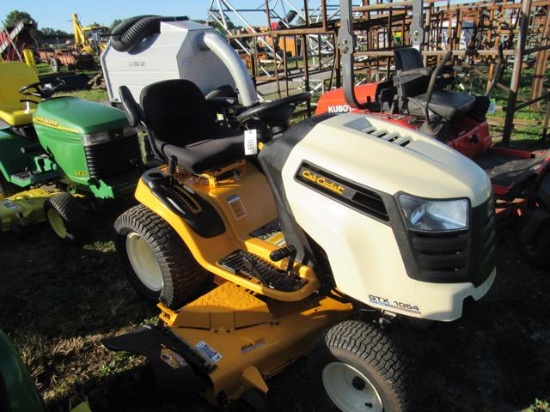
(355, 367)
(67, 218)
(156, 260)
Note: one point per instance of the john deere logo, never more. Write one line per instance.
(46, 122)
(323, 181)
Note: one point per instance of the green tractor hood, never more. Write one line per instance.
(78, 116)
(92, 143)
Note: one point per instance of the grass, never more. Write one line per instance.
(528, 121)
(95, 95)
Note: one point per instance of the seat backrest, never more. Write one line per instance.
(407, 58)
(411, 78)
(13, 76)
(176, 111)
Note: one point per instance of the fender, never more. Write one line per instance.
(197, 213)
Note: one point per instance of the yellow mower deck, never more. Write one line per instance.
(248, 338)
(24, 208)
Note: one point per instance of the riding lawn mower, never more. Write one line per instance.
(262, 242)
(413, 99)
(59, 155)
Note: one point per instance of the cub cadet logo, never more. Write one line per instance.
(323, 181)
(340, 108)
(46, 122)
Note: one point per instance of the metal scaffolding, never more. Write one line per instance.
(292, 43)
(298, 41)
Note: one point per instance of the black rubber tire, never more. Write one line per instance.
(7, 188)
(77, 224)
(183, 279)
(367, 349)
(535, 251)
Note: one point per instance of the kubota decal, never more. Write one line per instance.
(339, 108)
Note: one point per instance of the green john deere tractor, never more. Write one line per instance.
(59, 155)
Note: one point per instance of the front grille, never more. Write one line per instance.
(467, 256)
(112, 158)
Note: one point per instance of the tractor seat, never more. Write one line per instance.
(13, 76)
(445, 103)
(412, 80)
(182, 125)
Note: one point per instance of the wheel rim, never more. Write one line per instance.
(57, 223)
(144, 263)
(349, 389)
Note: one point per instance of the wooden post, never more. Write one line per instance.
(516, 73)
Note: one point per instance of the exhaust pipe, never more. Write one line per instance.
(212, 41)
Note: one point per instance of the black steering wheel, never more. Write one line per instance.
(262, 110)
(42, 89)
(433, 79)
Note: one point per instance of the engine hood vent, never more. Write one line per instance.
(391, 137)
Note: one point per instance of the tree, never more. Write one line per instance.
(47, 31)
(15, 17)
(115, 23)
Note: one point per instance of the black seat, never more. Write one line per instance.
(181, 125)
(412, 80)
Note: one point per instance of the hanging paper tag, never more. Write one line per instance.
(250, 142)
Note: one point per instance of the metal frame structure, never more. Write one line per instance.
(276, 52)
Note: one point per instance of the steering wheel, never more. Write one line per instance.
(40, 90)
(433, 79)
(266, 107)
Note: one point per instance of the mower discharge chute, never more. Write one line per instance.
(311, 245)
(56, 151)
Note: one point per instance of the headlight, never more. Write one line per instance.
(434, 215)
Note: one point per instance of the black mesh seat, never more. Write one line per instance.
(412, 80)
(182, 125)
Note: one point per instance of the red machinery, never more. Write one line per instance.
(520, 181)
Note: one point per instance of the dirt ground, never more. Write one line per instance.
(57, 301)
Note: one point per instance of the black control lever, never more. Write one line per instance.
(287, 251)
(172, 163)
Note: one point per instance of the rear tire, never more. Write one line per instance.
(67, 218)
(535, 250)
(355, 367)
(7, 188)
(157, 262)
